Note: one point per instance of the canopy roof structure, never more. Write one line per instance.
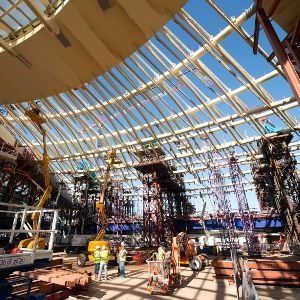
(194, 86)
(80, 40)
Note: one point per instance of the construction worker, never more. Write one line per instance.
(97, 260)
(104, 256)
(161, 252)
(122, 259)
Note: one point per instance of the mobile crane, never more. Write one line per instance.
(34, 115)
(100, 207)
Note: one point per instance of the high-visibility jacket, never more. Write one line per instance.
(122, 255)
(97, 256)
(104, 256)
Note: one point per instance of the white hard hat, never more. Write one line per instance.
(123, 244)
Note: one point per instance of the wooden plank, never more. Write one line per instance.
(56, 262)
(278, 282)
(226, 264)
(280, 275)
(219, 271)
(274, 265)
(58, 276)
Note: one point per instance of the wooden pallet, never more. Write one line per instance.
(275, 272)
(267, 272)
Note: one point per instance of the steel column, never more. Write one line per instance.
(286, 64)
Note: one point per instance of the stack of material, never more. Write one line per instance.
(40, 290)
(266, 272)
(57, 282)
(275, 272)
(223, 269)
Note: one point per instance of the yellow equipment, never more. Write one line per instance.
(38, 120)
(100, 206)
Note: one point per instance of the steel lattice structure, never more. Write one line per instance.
(246, 216)
(222, 203)
(280, 165)
(185, 84)
(117, 213)
(85, 193)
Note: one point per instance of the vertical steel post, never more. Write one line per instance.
(14, 227)
(287, 66)
(53, 227)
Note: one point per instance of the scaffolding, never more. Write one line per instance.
(117, 214)
(221, 203)
(82, 215)
(243, 207)
(19, 177)
(280, 166)
(164, 197)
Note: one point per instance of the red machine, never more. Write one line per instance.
(164, 273)
(184, 253)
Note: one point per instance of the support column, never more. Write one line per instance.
(286, 64)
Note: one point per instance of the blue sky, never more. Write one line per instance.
(156, 103)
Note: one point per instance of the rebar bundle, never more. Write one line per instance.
(243, 207)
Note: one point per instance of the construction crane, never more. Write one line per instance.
(100, 207)
(34, 115)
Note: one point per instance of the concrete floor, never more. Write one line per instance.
(277, 293)
(194, 286)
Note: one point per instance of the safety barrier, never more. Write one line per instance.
(19, 226)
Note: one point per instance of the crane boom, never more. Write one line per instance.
(100, 205)
(38, 120)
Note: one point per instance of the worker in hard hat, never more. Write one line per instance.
(122, 259)
(104, 256)
(97, 260)
(161, 252)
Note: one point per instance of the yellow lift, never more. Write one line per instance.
(38, 120)
(100, 207)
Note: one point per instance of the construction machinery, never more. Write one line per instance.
(184, 253)
(100, 207)
(163, 274)
(34, 115)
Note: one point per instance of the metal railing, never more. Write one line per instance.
(21, 212)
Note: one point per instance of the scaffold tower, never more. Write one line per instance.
(221, 203)
(243, 207)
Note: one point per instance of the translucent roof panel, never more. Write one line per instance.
(17, 18)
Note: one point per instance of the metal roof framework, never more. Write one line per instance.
(173, 92)
(18, 17)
